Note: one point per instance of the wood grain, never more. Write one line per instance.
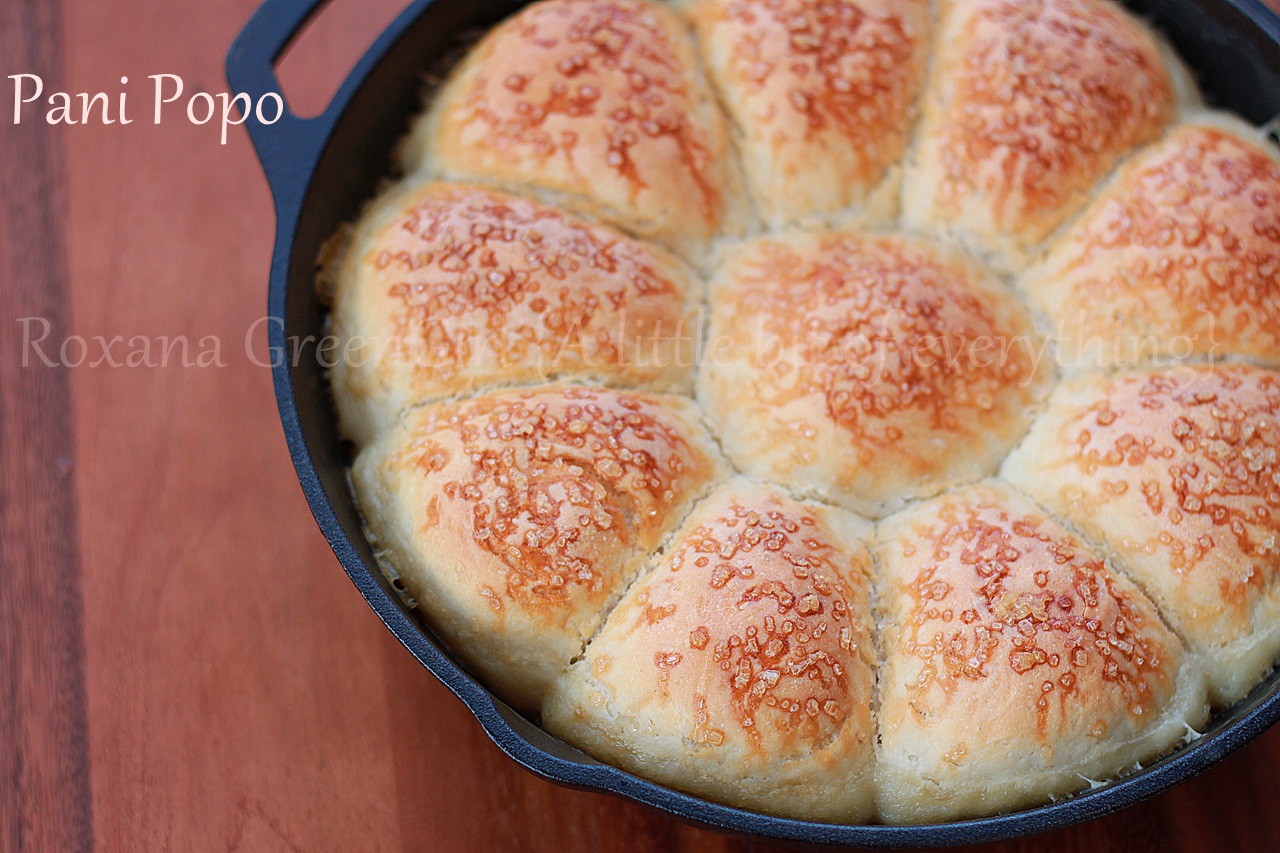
(184, 665)
(44, 755)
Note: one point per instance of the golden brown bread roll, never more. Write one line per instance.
(515, 518)
(1008, 641)
(867, 369)
(1029, 104)
(741, 666)
(1177, 473)
(822, 94)
(447, 289)
(599, 102)
(1018, 666)
(1179, 256)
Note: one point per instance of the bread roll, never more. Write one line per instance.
(447, 289)
(823, 95)
(599, 102)
(866, 369)
(1029, 104)
(1177, 473)
(914, 214)
(515, 518)
(1018, 666)
(741, 667)
(1178, 257)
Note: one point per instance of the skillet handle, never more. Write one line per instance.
(289, 147)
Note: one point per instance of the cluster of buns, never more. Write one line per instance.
(844, 409)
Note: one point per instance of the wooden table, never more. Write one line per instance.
(184, 666)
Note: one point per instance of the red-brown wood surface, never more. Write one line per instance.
(183, 665)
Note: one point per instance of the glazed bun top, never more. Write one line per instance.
(1016, 661)
(450, 289)
(1177, 472)
(599, 102)
(741, 665)
(843, 409)
(867, 369)
(824, 96)
(518, 516)
(1031, 102)
(1178, 256)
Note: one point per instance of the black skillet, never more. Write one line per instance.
(321, 171)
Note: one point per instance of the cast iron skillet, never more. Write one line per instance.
(322, 169)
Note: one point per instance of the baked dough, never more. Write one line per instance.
(1030, 104)
(740, 666)
(823, 97)
(1177, 473)
(447, 289)
(1178, 257)
(516, 519)
(1018, 665)
(943, 546)
(867, 369)
(598, 102)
